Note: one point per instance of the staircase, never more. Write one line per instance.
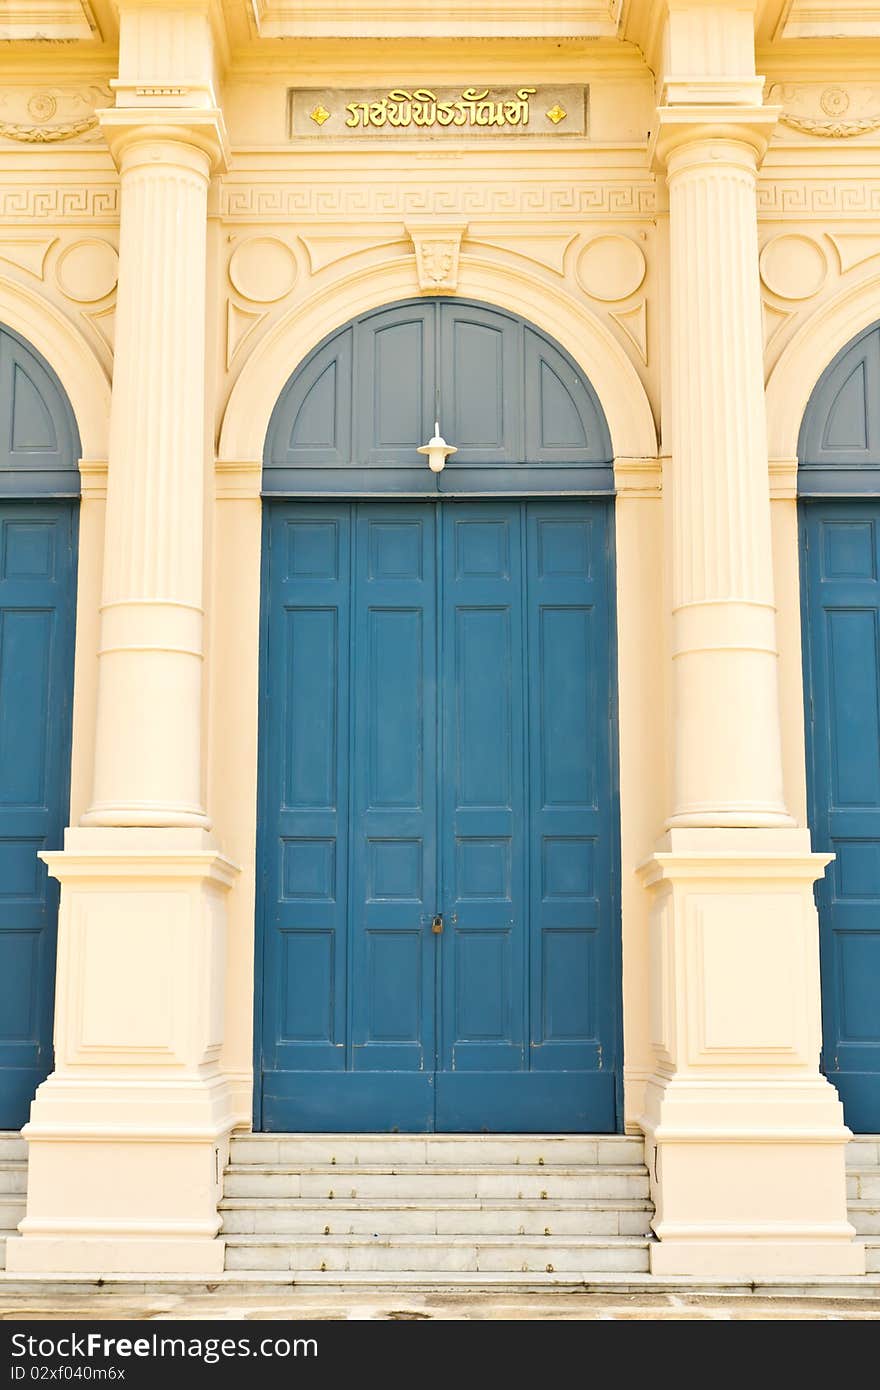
(863, 1194)
(402, 1206)
(371, 1207)
(13, 1186)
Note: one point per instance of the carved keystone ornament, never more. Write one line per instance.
(437, 246)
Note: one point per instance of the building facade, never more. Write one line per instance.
(530, 786)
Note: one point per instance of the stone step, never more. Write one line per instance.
(863, 1185)
(444, 1150)
(863, 1151)
(508, 1218)
(429, 1182)
(12, 1147)
(13, 1177)
(865, 1216)
(12, 1210)
(872, 1256)
(444, 1254)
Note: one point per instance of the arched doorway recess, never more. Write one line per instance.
(438, 924)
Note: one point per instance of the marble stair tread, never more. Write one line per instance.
(433, 1203)
(245, 1238)
(440, 1253)
(445, 1150)
(430, 1170)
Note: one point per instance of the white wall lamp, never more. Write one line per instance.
(438, 450)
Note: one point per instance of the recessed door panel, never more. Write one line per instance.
(37, 600)
(440, 906)
(840, 552)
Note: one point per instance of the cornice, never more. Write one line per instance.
(204, 129)
(677, 126)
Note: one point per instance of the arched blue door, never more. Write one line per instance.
(39, 487)
(839, 486)
(438, 918)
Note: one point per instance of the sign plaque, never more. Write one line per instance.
(436, 113)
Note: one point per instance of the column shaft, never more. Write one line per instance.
(728, 764)
(148, 754)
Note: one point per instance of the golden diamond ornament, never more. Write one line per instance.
(556, 114)
(319, 114)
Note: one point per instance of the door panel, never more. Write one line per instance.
(441, 742)
(395, 354)
(37, 601)
(571, 851)
(480, 355)
(484, 798)
(841, 568)
(393, 884)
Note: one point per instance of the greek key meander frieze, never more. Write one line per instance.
(268, 201)
(68, 203)
(275, 201)
(840, 198)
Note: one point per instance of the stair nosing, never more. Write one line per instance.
(431, 1239)
(631, 1170)
(310, 1203)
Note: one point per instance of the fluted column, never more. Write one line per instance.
(128, 1136)
(744, 1137)
(727, 750)
(148, 748)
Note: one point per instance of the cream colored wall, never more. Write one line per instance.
(527, 217)
(527, 223)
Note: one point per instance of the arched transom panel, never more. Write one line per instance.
(839, 450)
(519, 411)
(39, 443)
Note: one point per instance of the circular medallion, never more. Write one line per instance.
(611, 267)
(793, 266)
(834, 101)
(88, 270)
(262, 269)
(42, 107)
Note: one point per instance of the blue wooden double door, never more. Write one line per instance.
(37, 602)
(839, 487)
(438, 828)
(840, 549)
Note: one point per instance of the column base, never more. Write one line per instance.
(70, 1254)
(727, 1258)
(128, 1137)
(745, 1139)
(748, 1179)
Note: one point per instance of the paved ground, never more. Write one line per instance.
(330, 1306)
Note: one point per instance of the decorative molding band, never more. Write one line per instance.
(46, 135)
(63, 203)
(638, 477)
(831, 130)
(93, 478)
(237, 480)
(783, 478)
(266, 201)
(797, 197)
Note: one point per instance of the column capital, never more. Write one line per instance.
(203, 130)
(680, 126)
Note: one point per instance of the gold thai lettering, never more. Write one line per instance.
(420, 107)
